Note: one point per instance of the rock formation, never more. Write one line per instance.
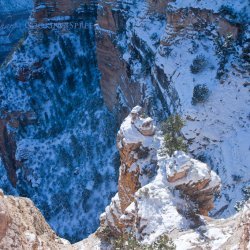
(175, 198)
(137, 147)
(163, 50)
(138, 155)
(55, 131)
(22, 226)
(13, 21)
(147, 183)
(194, 179)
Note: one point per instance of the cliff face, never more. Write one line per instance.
(57, 139)
(189, 58)
(64, 11)
(23, 226)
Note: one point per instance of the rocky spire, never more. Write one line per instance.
(180, 187)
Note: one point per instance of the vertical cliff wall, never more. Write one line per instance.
(57, 139)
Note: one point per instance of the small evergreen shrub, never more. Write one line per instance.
(198, 65)
(173, 139)
(129, 242)
(200, 94)
(163, 242)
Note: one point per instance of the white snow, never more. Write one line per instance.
(133, 135)
(197, 171)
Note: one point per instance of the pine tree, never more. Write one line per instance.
(173, 139)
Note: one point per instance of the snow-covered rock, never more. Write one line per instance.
(57, 142)
(194, 179)
(157, 194)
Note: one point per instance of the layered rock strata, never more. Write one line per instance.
(157, 195)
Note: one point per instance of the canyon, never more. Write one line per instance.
(72, 135)
(152, 200)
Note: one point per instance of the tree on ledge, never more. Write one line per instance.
(173, 138)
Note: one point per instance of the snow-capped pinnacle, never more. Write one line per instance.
(138, 149)
(156, 194)
(137, 128)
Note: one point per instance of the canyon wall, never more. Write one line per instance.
(57, 138)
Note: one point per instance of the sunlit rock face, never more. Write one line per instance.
(22, 225)
(54, 11)
(57, 138)
(173, 198)
(57, 142)
(137, 158)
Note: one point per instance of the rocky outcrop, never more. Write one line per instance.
(230, 233)
(184, 22)
(137, 147)
(9, 123)
(22, 226)
(55, 11)
(180, 191)
(120, 44)
(149, 183)
(138, 155)
(194, 179)
(157, 195)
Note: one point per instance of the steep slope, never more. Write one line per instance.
(190, 58)
(22, 226)
(57, 139)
